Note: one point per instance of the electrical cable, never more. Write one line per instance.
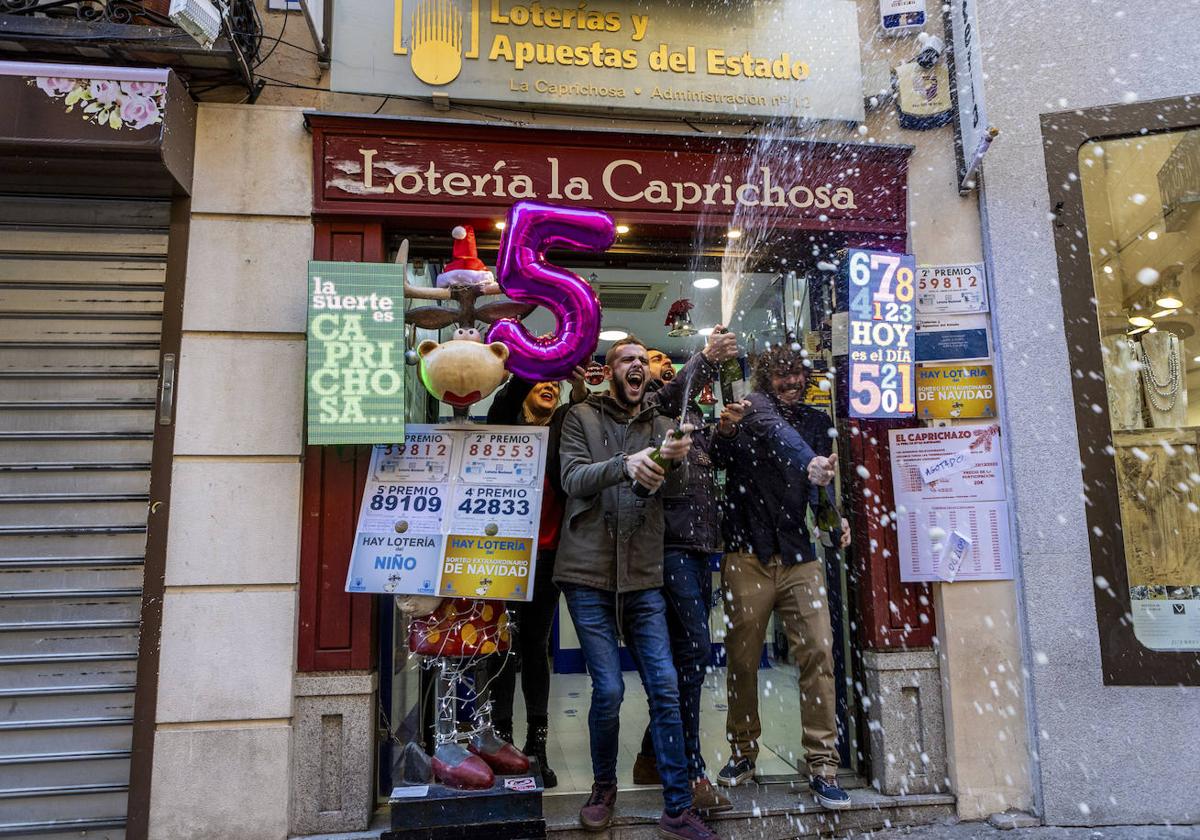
(274, 46)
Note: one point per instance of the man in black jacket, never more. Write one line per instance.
(784, 453)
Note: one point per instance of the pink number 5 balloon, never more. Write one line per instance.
(526, 277)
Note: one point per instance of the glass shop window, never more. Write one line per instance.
(1142, 204)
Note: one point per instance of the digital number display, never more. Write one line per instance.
(881, 334)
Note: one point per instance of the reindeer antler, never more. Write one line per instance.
(437, 317)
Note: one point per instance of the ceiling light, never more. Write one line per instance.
(1164, 313)
(622, 229)
(1136, 320)
(706, 282)
(1152, 235)
(1136, 331)
(1108, 269)
(500, 225)
(733, 233)
(705, 331)
(613, 334)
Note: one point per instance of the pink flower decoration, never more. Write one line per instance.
(139, 111)
(54, 85)
(104, 91)
(142, 88)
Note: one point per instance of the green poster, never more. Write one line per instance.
(355, 352)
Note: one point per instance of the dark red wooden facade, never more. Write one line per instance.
(336, 628)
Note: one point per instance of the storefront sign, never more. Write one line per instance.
(955, 392)
(452, 511)
(427, 169)
(951, 505)
(951, 289)
(880, 342)
(952, 338)
(355, 352)
(778, 58)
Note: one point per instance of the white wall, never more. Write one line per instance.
(1108, 754)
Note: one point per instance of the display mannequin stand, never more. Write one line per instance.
(1121, 373)
(1164, 386)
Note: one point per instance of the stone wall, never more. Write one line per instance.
(223, 744)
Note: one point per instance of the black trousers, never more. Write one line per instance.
(531, 649)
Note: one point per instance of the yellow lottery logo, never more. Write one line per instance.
(432, 38)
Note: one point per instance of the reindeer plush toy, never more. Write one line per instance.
(453, 633)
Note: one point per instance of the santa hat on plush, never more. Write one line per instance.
(466, 269)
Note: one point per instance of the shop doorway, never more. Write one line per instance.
(784, 294)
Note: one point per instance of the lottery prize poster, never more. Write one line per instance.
(951, 289)
(956, 392)
(945, 481)
(453, 511)
(880, 345)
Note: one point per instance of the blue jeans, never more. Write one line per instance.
(687, 587)
(644, 627)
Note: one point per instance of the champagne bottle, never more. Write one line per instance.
(642, 491)
(733, 386)
(828, 518)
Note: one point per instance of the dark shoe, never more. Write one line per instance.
(829, 793)
(535, 747)
(706, 799)
(645, 770)
(738, 770)
(504, 732)
(687, 826)
(597, 812)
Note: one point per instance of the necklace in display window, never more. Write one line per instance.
(1162, 393)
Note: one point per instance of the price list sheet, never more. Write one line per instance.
(946, 481)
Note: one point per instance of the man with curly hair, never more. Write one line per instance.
(784, 459)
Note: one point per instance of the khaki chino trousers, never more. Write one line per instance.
(753, 590)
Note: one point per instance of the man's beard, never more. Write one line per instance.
(621, 392)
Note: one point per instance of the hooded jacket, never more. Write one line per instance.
(767, 491)
(611, 539)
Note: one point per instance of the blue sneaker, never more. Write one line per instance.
(829, 793)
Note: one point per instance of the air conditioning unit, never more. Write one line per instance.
(630, 297)
(199, 18)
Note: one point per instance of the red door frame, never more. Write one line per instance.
(337, 629)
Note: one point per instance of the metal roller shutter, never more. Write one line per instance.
(81, 291)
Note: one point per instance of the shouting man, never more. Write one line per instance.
(610, 569)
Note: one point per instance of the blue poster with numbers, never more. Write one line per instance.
(881, 337)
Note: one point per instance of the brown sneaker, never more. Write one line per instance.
(597, 812)
(645, 770)
(706, 799)
(687, 826)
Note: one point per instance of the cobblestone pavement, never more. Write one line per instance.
(983, 831)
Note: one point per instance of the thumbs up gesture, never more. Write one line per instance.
(821, 470)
